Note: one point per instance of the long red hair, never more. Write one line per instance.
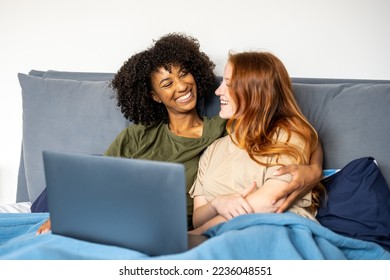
(262, 90)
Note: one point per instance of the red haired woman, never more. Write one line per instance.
(266, 130)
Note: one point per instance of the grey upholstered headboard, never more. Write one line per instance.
(351, 117)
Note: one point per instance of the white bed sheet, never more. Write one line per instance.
(18, 207)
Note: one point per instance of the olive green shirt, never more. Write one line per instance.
(157, 142)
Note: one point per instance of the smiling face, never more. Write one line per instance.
(228, 107)
(176, 89)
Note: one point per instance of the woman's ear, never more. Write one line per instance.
(155, 97)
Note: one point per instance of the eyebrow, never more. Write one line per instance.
(182, 68)
(163, 80)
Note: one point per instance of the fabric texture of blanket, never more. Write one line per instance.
(253, 236)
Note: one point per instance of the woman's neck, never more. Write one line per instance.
(190, 126)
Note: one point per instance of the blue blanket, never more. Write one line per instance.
(254, 236)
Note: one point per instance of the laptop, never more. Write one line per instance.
(132, 203)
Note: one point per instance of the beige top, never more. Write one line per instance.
(224, 168)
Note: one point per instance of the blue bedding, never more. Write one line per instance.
(253, 236)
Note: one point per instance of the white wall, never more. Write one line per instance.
(325, 38)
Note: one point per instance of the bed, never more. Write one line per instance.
(77, 112)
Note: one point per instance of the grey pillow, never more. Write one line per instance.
(36, 73)
(22, 193)
(352, 121)
(65, 115)
(78, 76)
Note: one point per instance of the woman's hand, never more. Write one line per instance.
(304, 178)
(45, 227)
(230, 206)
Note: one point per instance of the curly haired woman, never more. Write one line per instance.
(158, 89)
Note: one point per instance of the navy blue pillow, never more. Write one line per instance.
(358, 202)
(40, 204)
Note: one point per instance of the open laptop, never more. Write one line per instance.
(132, 203)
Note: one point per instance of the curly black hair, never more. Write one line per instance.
(132, 82)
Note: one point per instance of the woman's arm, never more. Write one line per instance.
(227, 206)
(203, 211)
(304, 178)
(260, 201)
(210, 223)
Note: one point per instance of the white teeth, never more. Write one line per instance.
(224, 102)
(184, 97)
